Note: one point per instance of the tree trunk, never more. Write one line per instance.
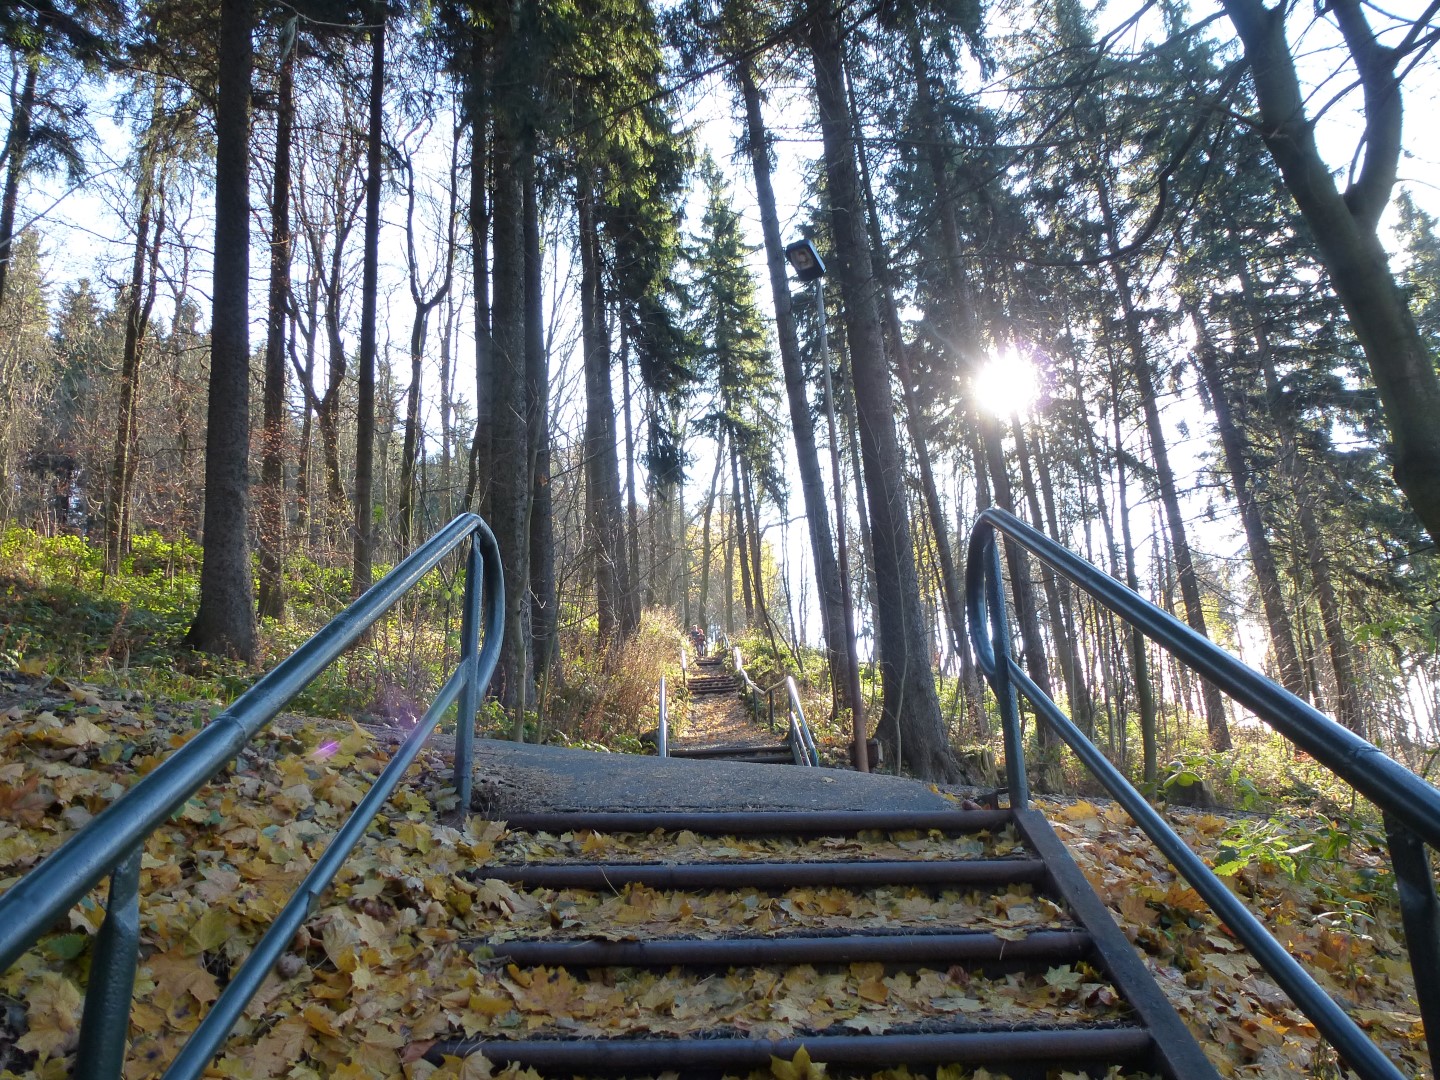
(327, 411)
(447, 399)
(757, 568)
(705, 538)
(477, 485)
(17, 147)
(1076, 692)
(138, 301)
(510, 486)
(1082, 704)
(225, 621)
(1139, 661)
(1235, 445)
(1344, 231)
(273, 525)
(1215, 721)
(369, 289)
(912, 725)
(602, 466)
(544, 606)
(950, 589)
(632, 505)
(410, 454)
(405, 512)
(729, 541)
(306, 375)
(739, 523)
(1348, 707)
(807, 459)
(1026, 612)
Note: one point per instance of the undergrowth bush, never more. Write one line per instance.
(60, 610)
(609, 695)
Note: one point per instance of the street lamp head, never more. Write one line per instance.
(805, 260)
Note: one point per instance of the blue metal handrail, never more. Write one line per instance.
(112, 843)
(1411, 807)
(802, 740)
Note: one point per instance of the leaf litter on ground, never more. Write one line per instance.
(661, 847)
(364, 980)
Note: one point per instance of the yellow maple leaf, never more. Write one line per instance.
(181, 974)
(211, 930)
(321, 1019)
(1063, 978)
(874, 990)
(52, 1015)
(800, 1067)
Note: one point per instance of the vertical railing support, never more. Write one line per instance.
(469, 704)
(662, 739)
(1005, 696)
(1420, 915)
(105, 1027)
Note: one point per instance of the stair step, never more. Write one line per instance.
(730, 750)
(770, 758)
(1045, 1047)
(788, 875)
(721, 686)
(1041, 948)
(769, 823)
(814, 923)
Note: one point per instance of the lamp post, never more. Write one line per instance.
(808, 266)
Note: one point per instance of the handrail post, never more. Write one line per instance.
(662, 742)
(105, 1026)
(1005, 697)
(470, 696)
(1420, 916)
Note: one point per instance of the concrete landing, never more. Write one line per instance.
(520, 778)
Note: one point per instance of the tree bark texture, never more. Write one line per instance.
(1139, 659)
(225, 620)
(544, 605)
(1215, 721)
(604, 521)
(17, 147)
(273, 527)
(1236, 447)
(369, 288)
(139, 299)
(807, 459)
(911, 725)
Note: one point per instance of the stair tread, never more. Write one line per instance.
(1112, 1044)
(611, 961)
(782, 874)
(766, 823)
(1046, 948)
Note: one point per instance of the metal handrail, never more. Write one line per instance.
(662, 736)
(802, 740)
(1411, 807)
(112, 843)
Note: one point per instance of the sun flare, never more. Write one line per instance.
(1007, 384)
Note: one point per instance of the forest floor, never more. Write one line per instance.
(342, 1001)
